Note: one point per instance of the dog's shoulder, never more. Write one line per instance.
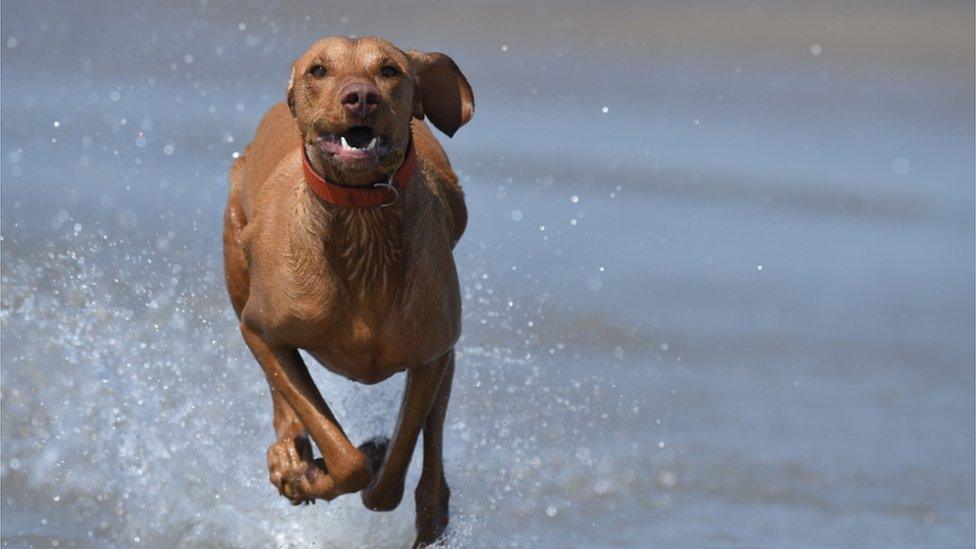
(276, 138)
(440, 177)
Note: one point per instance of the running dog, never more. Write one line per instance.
(338, 236)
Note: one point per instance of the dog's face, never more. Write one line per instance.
(353, 100)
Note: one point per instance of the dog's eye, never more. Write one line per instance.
(318, 71)
(389, 71)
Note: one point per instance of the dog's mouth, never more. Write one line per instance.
(356, 143)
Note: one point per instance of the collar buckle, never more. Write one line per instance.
(388, 184)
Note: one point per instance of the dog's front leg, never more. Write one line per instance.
(290, 456)
(346, 468)
(386, 489)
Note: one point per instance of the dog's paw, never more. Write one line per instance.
(291, 469)
(379, 497)
(432, 498)
(375, 451)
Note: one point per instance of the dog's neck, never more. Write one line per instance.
(367, 244)
(362, 246)
(382, 193)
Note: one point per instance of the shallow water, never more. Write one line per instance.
(718, 288)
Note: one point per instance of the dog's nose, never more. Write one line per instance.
(360, 98)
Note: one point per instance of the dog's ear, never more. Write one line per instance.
(290, 92)
(417, 108)
(444, 94)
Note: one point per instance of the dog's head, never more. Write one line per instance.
(353, 99)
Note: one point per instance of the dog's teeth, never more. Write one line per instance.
(372, 144)
(344, 144)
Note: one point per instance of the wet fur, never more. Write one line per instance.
(366, 292)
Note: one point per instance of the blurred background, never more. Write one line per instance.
(718, 277)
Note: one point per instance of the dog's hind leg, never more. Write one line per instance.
(235, 264)
(432, 492)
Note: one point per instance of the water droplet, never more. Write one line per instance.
(594, 283)
(901, 166)
(667, 478)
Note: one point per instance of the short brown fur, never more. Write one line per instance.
(366, 292)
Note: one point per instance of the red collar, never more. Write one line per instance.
(381, 194)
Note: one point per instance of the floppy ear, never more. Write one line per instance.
(290, 93)
(444, 93)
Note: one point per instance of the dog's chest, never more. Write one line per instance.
(366, 304)
(370, 339)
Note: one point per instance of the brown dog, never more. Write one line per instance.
(338, 238)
